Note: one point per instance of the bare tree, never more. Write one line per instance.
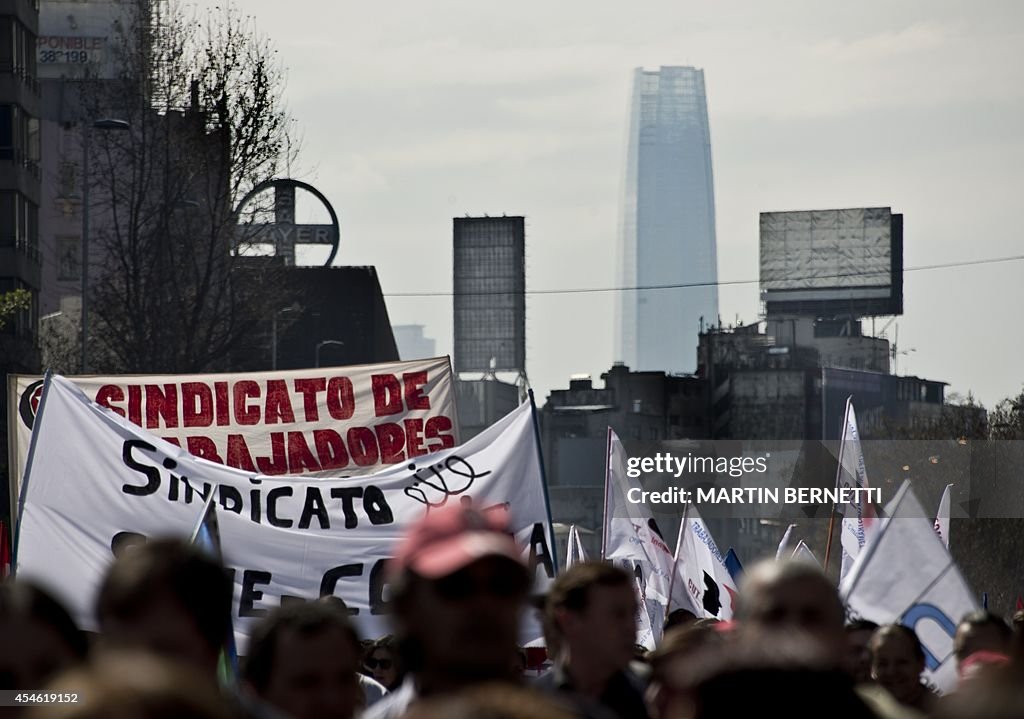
(202, 99)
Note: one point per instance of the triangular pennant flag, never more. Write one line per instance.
(803, 553)
(784, 543)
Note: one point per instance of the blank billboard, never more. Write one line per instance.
(490, 302)
(829, 262)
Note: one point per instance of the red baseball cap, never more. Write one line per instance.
(452, 537)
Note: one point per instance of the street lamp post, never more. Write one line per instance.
(103, 124)
(273, 333)
(321, 344)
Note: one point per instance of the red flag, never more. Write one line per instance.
(1020, 603)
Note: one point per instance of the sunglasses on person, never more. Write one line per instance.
(372, 663)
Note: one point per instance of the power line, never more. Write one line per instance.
(718, 283)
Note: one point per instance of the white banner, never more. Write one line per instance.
(860, 520)
(329, 421)
(93, 476)
(701, 570)
(906, 575)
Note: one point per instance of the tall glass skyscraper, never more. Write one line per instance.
(668, 223)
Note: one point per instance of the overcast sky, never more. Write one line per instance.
(415, 112)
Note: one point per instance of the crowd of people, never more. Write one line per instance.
(458, 589)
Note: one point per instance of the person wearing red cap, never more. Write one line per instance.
(457, 587)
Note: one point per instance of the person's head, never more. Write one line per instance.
(490, 701)
(897, 660)
(858, 638)
(674, 666)
(457, 588)
(678, 618)
(169, 598)
(39, 637)
(592, 607)
(981, 631)
(381, 661)
(302, 659)
(792, 595)
(133, 685)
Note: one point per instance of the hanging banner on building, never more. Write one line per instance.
(335, 421)
(97, 482)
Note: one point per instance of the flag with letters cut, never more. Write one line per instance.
(906, 575)
(701, 571)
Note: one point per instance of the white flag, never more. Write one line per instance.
(942, 518)
(94, 476)
(803, 553)
(784, 543)
(574, 553)
(701, 570)
(906, 575)
(860, 519)
(630, 530)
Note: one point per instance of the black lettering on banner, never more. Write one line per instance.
(376, 506)
(272, 517)
(251, 595)
(346, 495)
(378, 582)
(314, 506)
(151, 473)
(539, 552)
(230, 499)
(254, 500)
(439, 484)
(331, 577)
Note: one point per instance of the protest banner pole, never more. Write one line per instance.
(605, 519)
(544, 482)
(675, 559)
(839, 474)
(28, 471)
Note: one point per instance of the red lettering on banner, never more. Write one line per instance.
(392, 442)
(362, 446)
(222, 405)
(300, 459)
(436, 427)
(387, 394)
(161, 404)
(414, 438)
(279, 405)
(245, 414)
(196, 405)
(172, 440)
(135, 404)
(203, 447)
(309, 388)
(414, 397)
(330, 449)
(277, 463)
(109, 393)
(341, 400)
(239, 456)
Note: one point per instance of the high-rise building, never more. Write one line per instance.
(668, 224)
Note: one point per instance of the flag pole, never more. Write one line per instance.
(47, 381)
(839, 474)
(675, 559)
(605, 520)
(544, 483)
